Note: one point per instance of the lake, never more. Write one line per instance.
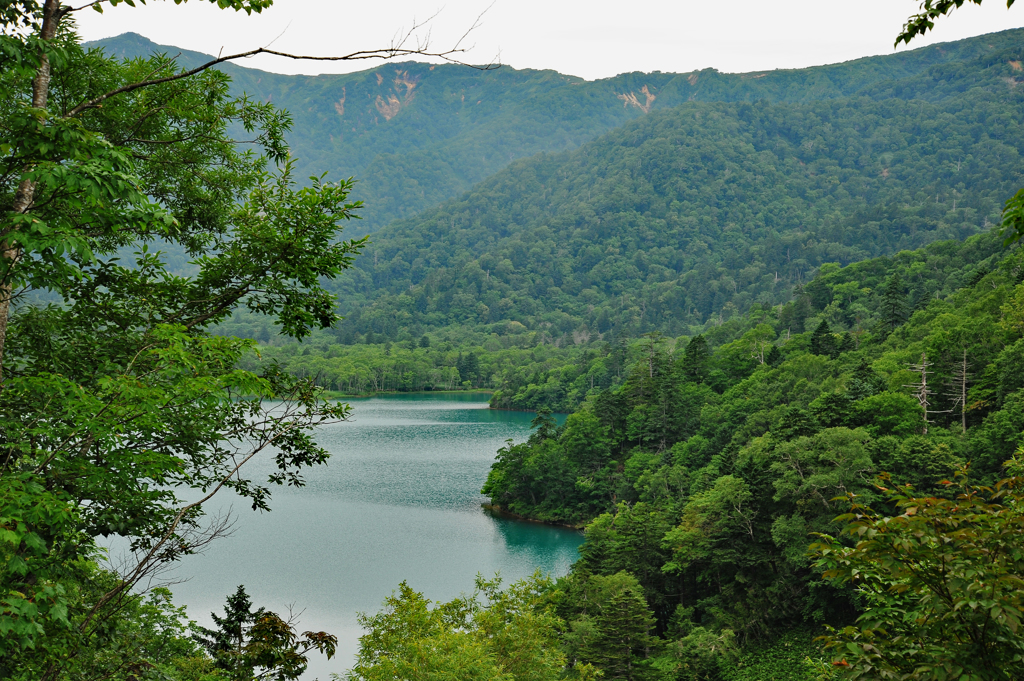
(399, 500)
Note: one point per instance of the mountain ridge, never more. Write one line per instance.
(415, 134)
(696, 212)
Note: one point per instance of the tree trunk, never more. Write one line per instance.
(25, 195)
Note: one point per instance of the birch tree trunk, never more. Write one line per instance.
(25, 195)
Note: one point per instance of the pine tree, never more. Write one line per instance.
(832, 410)
(226, 643)
(624, 623)
(894, 304)
(696, 360)
(249, 644)
(544, 426)
(796, 313)
(864, 382)
(796, 423)
(823, 342)
(468, 366)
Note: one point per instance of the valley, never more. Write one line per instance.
(692, 376)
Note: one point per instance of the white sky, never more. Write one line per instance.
(594, 39)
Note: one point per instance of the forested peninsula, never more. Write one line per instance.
(770, 328)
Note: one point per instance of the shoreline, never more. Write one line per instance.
(497, 510)
(337, 395)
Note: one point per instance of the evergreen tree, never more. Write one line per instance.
(544, 426)
(623, 623)
(226, 643)
(258, 644)
(823, 342)
(865, 382)
(894, 304)
(796, 422)
(697, 360)
(799, 311)
(774, 357)
(468, 366)
(425, 341)
(832, 410)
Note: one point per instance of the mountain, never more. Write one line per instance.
(688, 215)
(416, 134)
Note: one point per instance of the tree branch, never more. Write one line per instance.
(396, 49)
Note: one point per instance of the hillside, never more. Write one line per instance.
(703, 472)
(415, 135)
(691, 214)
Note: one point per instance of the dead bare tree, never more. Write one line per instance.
(958, 388)
(921, 390)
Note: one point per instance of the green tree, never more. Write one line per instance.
(696, 360)
(864, 382)
(823, 342)
(257, 644)
(226, 643)
(943, 583)
(894, 304)
(513, 637)
(614, 634)
(116, 395)
(543, 425)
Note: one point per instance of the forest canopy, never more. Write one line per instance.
(699, 211)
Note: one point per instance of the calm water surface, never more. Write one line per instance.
(398, 501)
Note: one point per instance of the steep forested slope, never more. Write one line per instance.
(415, 134)
(700, 210)
(705, 470)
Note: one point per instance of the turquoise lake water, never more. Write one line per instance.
(398, 501)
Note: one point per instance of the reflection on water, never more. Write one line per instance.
(399, 501)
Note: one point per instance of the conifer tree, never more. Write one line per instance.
(894, 304)
(258, 644)
(697, 360)
(796, 422)
(544, 425)
(865, 382)
(226, 643)
(623, 626)
(823, 342)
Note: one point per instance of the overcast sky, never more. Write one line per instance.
(594, 39)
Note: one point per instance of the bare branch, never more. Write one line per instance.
(397, 49)
(94, 3)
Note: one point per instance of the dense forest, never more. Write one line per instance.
(775, 308)
(416, 134)
(705, 473)
(529, 372)
(696, 212)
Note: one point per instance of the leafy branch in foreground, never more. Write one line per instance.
(121, 414)
(943, 584)
(924, 21)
